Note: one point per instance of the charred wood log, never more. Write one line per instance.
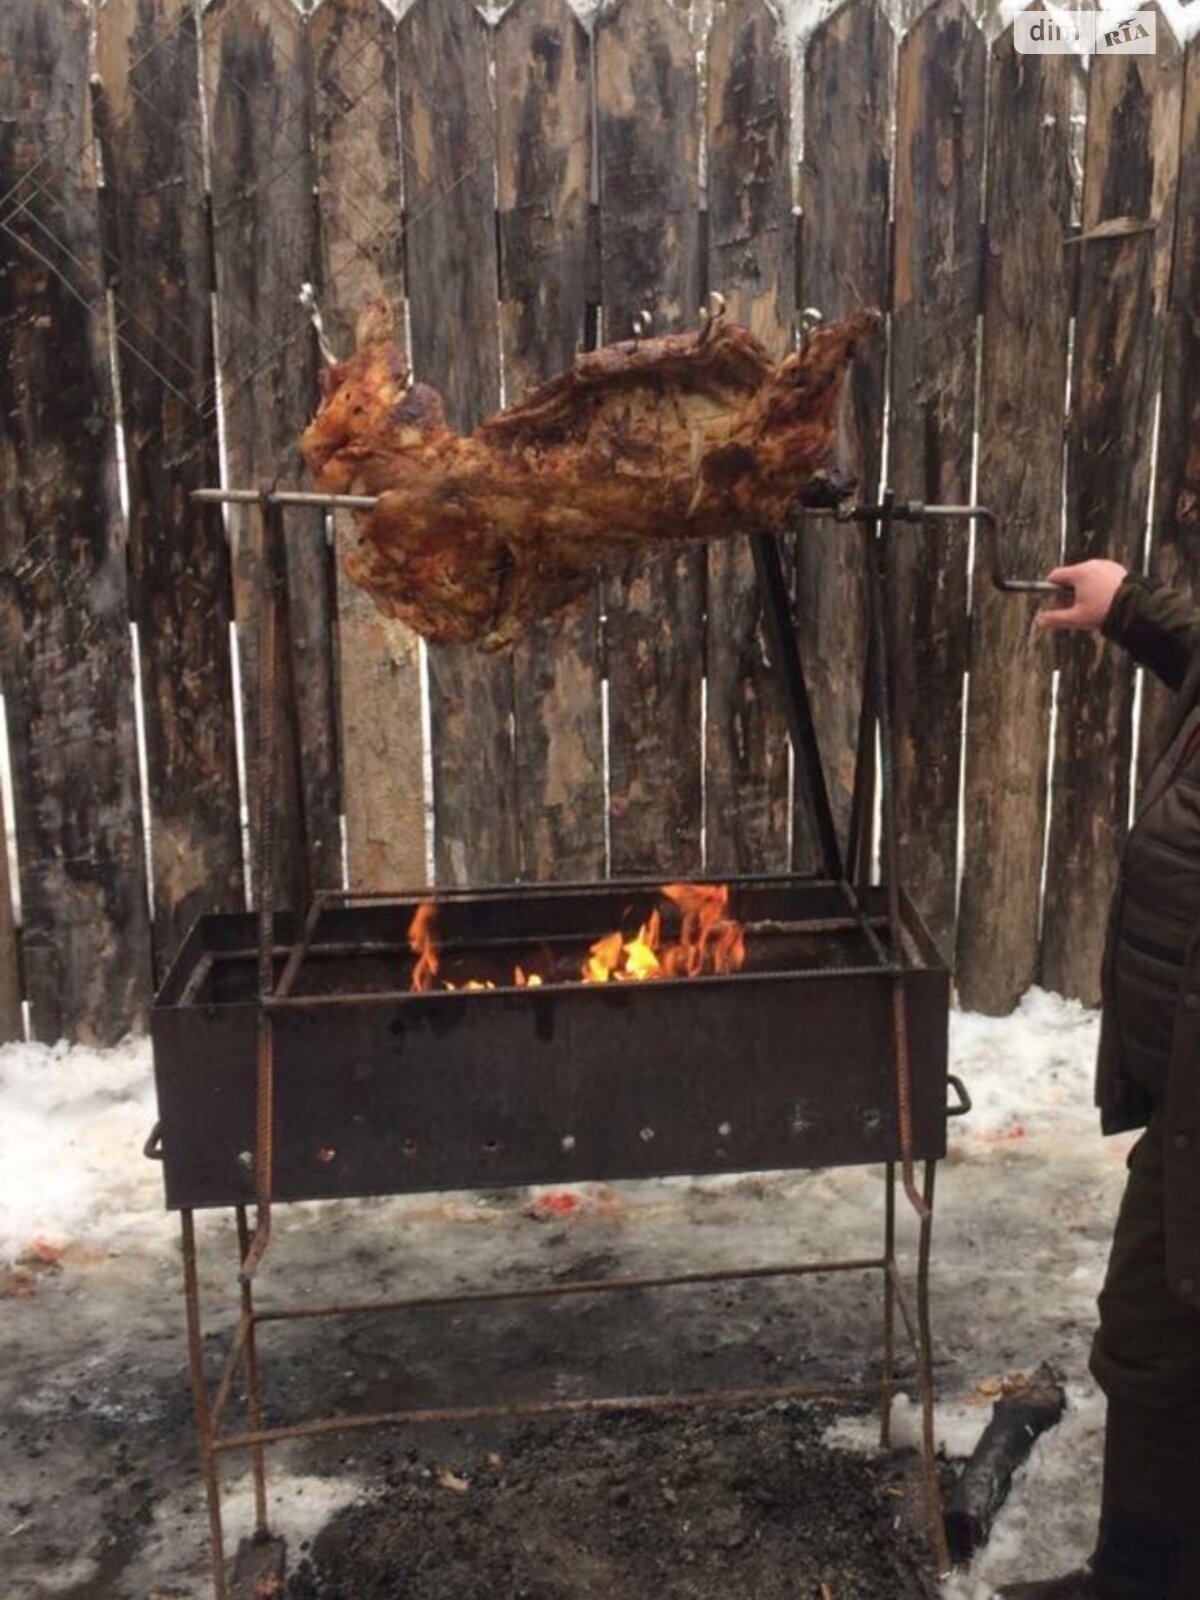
(1018, 1421)
(681, 439)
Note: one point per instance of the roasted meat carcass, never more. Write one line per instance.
(690, 437)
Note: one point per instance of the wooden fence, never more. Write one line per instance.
(520, 190)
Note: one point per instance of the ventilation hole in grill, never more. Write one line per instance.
(724, 1129)
(568, 1143)
(491, 1145)
(872, 1121)
(409, 1147)
(326, 1153)
(646, 1135)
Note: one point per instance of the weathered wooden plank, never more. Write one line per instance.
(751, 261)
(264, 227)
(64, 620)
(648, 133)
(1130, 174)
(152, 140)
(543, 163)
(1026, 311)
(939, 176)
(1175, 548)
(849, 87)
(449, 149)
(356, 140)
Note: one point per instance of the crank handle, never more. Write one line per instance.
(915, 511)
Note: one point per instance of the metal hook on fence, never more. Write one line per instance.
(712, 313)
(811, 319)
(308, 299)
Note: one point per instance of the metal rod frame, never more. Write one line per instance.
(242, 1358)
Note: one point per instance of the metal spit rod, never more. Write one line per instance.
(285, 497)
(902, 511)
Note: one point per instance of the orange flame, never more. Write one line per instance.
(710, 942)
(422, 934)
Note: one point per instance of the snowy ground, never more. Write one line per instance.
(100, 1498)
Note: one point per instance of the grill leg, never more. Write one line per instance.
(933, 1490)
(253, 1392)
(204, 1433)
(889, 1306)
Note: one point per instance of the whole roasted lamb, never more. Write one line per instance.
(685, 438)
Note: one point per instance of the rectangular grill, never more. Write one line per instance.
(788, 1063)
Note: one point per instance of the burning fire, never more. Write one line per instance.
(709, 942)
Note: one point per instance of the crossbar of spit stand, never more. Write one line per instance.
(253, 1246)
(256, 1438)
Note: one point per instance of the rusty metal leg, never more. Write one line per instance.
(933, 1491)
(889, 1307)
(253, 1392)
(204, 1435)
(272, 593)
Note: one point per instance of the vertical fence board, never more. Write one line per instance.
(1026, 311)
(939, 175)
(647, 127)
(152, 143)
(543, 159)
(1175, 553)
(849, 82)
(1129, 177)
(751, 261)
(449, 150)
(356, 140)
(64, 633)
(265, 241)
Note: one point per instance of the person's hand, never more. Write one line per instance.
(1094, 583)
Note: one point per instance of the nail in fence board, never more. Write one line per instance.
(939, 174)
(181, 594)
(849, 83)
(64, 632)
(1130, 176)
(449, 149)
(648, 131)
(265, 241)
(1175, 552)
(1026, 310)
(356, 141)
(751, 261)
(544, 163)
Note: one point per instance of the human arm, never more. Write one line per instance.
(1157, 624)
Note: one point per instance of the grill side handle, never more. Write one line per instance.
(963, 1104)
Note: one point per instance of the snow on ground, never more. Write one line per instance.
(72, 1126)
(1027, 1198)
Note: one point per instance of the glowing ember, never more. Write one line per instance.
(709, 942)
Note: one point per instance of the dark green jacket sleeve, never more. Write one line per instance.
(1158, 625)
